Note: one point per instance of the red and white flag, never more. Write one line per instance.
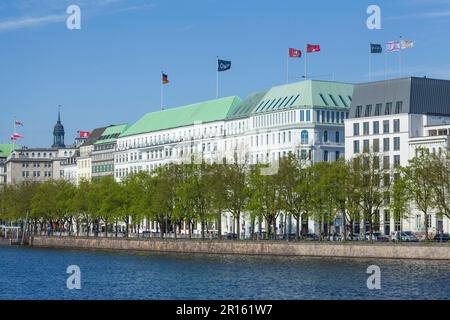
(15, 136)
(312, 48)
(18, 123)
(393, 46)
(84, 134)
(294, 53)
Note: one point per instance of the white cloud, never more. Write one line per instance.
(423, 15)
(26, 22)
(30, 14)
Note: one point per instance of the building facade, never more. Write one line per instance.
(5, 152)
(304, 118)
(103, 151)
(391, 120)
(84, 160)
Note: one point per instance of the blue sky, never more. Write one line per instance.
(109, 71)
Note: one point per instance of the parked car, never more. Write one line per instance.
(377, 236)
(406, 236)
(443, 237)
(231, 236)
(310, 237)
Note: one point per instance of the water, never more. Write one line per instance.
(31, 273)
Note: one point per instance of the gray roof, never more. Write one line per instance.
(419, 95)
(94, 136)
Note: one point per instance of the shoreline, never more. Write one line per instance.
(416, 251)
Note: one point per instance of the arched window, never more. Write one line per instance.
(304, 137)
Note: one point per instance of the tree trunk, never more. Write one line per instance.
(238, 229)
(106, 229)
(426, 225)
(219, 225)
(344, 223)
(117, 226)
(297, 229)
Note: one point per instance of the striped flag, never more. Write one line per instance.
(393, 46)
(18, 123)
(407, 44)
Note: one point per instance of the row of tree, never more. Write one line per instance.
(191, 194)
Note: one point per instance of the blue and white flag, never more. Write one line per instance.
(223, 65)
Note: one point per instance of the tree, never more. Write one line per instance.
(440, 179)
(237, 191)
(266, 198)
(419, 184)
(367, 180)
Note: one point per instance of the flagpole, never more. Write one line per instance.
(306, 62)
(385, 65)
(370, 65)
(162, 90)
(287, 69)
(400, 57)
(217, 79)
(14, 128)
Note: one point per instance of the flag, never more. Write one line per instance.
(165, 79)
(312, 48)
(223, 65)
(14, 136)
(294, 53)
(18, 123)
(393, 46)
(407, 44)
(84, 134)
(375, 48)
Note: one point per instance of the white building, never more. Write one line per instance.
(305, 118)
(392, 119)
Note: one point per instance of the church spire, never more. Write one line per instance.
(58, 132)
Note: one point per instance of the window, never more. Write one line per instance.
(325, 136)
(386, 163)
(308, 115)
(302, 115)
(303, 154)
(323, 99)
(398, 106)
(376, 162)
(366, 147)
(386, 144)
(396, 125)
(356, 129)
(378, 109)
(323, 116)
(358, 112)
(304, 137)
(328, 116)
(337, 137)
(368, 111)
(332, 116)
(366, 128)
(397, 143)
(334, 101)
(388, 108)
(376, 127)
(325, 156)
(376, 145)
(397, 160)
(337, 155)
(343, 101)
(337, 117)
(356, 146)
(386, 126)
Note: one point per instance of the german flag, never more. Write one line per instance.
(165, 79)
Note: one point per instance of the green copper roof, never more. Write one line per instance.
(312, 93)
(5, 150)
(111, 134)
(207, 111)
(245, 107)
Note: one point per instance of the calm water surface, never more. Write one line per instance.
(27, 273)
